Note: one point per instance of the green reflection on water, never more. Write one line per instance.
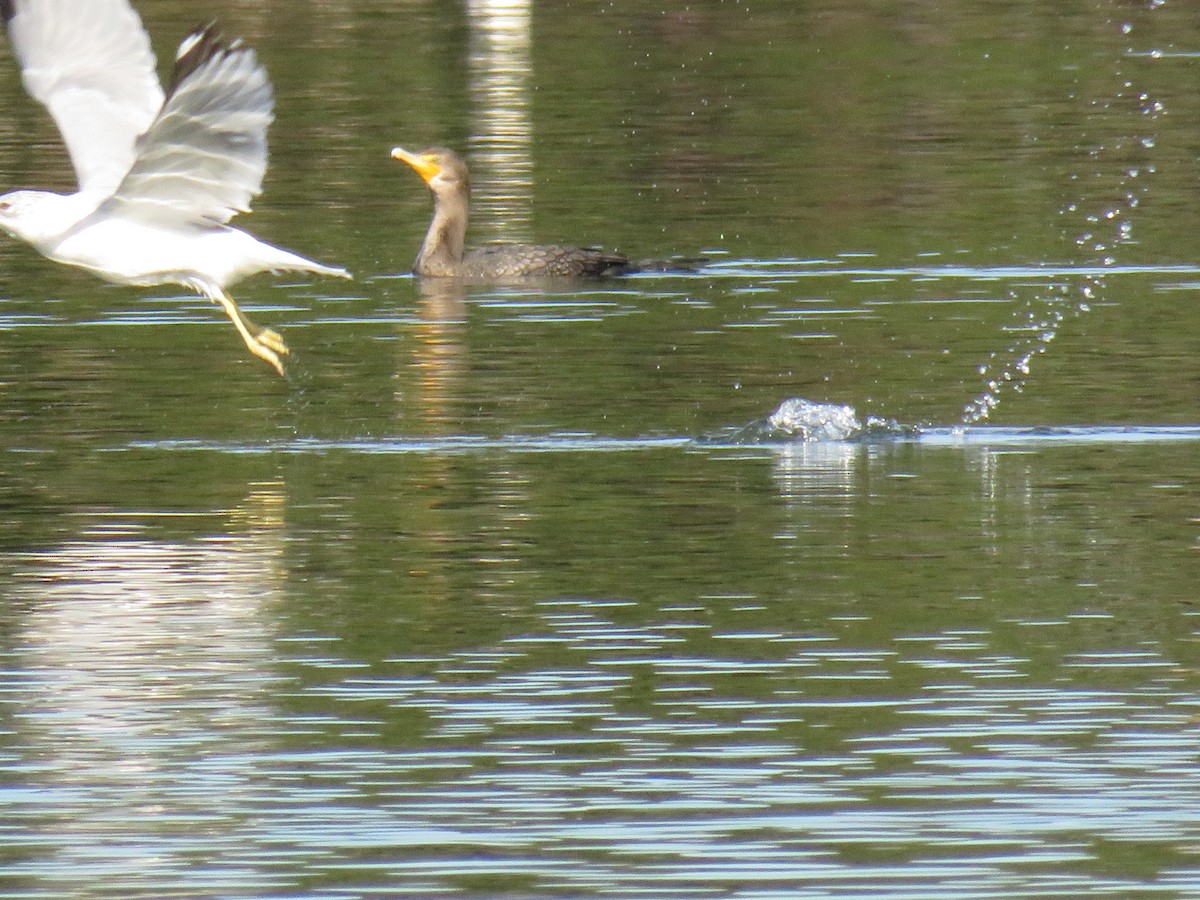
(868, 654)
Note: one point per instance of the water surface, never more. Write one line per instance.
(486, 600)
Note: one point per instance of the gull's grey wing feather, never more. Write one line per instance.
(90, 63)
(203, 159)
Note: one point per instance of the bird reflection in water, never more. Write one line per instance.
(150, 669)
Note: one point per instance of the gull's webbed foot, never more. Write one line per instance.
(268, 345)
(272, 339)
(262, 342)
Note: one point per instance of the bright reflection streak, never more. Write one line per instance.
(149, 668)
(500, 68)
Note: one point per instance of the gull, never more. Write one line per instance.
(160, 174)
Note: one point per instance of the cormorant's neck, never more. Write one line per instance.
(442, 252)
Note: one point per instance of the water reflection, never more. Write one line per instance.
(145, 678)
(818, 483)
(440, 354)
(500, 68)
(506, 624)
(402, 697)
(684, 749)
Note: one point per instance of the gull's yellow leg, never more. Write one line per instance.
(262, 342)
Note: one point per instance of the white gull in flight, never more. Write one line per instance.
(160, 176)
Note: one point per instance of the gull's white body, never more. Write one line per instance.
(159, 175)
(127, 251)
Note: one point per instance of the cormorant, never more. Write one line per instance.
(443, 255)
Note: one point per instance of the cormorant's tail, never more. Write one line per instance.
(676, 265)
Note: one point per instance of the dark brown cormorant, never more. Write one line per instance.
(442, 254)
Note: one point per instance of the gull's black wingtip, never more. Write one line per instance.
(8, 9)
(202, 44)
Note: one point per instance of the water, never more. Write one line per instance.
(510, 592)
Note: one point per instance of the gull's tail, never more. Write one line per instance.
(320, 269)
(286, 261)
(249, 255)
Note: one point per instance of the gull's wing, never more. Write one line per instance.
(90, 63)
(203, 159)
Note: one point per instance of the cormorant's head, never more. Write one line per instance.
(441, 169)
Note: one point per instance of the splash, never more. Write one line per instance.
(800, 421)
(795, 421)
(804, 420)
(1106, 225)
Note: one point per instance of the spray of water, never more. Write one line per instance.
(1105, 226)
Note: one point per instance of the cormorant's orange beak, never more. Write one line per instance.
(426, 165)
